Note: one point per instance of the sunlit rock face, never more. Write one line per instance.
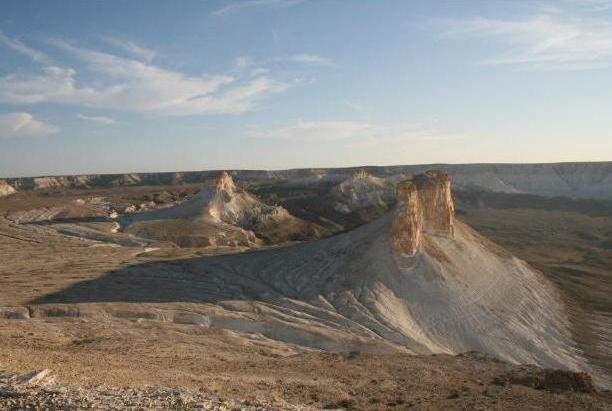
(362, 190)
(5, 189)
(424, 204)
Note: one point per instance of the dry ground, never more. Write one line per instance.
(570, 246)
(570, 241)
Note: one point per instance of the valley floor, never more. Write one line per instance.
(138, 347)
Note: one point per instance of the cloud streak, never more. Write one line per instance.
(311, 59)
(18, 46)
(132, 48)
(355, 134)
(134, 85)
(550, 42)
(21, 124)
(237, 6)
(97, 119)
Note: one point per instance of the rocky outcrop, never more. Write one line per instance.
(221, 214)
(127, 180)
(424, 204)
(47, 183)
(362, 190)
(6, 189)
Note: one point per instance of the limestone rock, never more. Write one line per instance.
(6, 189)
(362, 190)
(35, 377)
(424, 203)
(220, 214)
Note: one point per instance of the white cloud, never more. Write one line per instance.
(97, 119)
(311, 59)
(18, 46)
(133, 85)
(15, 125)
(136, 50)
(236, 6)
(356, 134)
(542, 42)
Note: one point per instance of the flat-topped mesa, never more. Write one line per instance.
(424, 205)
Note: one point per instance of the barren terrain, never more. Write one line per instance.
(97, 305)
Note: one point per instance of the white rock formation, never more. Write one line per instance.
(423, 204)
(229, 216)
(362, 190)
(6, 189)
(45, 183)
(417, 280)
(127, 180)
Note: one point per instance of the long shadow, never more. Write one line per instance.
(74, 220)
(298, 271)
(198, 280)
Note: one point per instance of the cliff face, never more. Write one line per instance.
(424, 204)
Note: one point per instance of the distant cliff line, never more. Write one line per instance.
(580, 179)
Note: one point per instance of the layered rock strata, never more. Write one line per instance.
(424, 204)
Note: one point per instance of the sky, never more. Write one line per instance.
(145, 85)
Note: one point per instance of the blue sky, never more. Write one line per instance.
(122, 86)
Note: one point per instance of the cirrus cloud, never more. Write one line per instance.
(546, 41)
(20, 47)
(236, 5)
(312, 59)
(97, 119)
(132, 48)
(358, 134)
(134, 85)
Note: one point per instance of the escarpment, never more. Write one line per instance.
(424, 204)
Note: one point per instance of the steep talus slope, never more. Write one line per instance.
(415, 280)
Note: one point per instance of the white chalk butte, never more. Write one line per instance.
(416, 280)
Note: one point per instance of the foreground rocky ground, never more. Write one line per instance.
(37, 390)
(332, 381)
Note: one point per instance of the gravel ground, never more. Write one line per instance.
(37, 390)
